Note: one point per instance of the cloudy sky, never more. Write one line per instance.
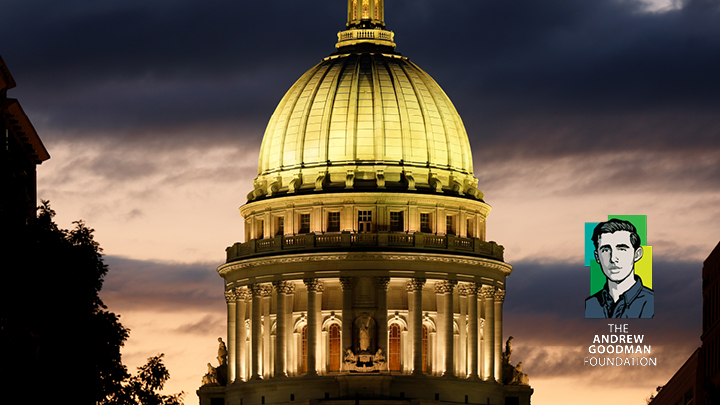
(153, 113)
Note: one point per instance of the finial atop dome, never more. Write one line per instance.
(365, 25)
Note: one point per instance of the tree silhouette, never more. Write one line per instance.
(57, 338)
(142, 388)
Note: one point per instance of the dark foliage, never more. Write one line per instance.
(141, 389)
(57, 338)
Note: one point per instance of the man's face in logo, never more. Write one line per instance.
(616, 255)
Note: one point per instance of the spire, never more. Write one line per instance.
(365, 25)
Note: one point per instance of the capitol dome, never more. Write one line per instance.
(365, 275)
(365, 117)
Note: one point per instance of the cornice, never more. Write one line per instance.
(501, 267)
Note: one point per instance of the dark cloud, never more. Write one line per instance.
(201, 327)
(137, 284)
(134, 214)
(556, 292)
(551, 362)
(544, 311)
(549, 77)
(589, 174)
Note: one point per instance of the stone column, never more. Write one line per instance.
(382, 313)
(437, 360)
(499, 298)
(255, 331)
(320, 354)
(462, 340)
(417, 287)
(461, 352)
(311, 284)
(291, 363)
(282, 289)
(488, 294)
(472, 290)
(409, 347)
(447, 287)
(230, 297)
(267, 364)
(240, 334)
(347, 313)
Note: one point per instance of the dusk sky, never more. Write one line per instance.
(153, 113)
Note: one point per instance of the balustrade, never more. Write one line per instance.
(346, 240)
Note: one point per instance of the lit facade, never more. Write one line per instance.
(365, 271)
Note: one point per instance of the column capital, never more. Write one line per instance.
(416, 284)
(462, 290)
(500, 295)
(283, 287)
(241, 293)
(471, 288)
(445, 286)
(230, 296)
(347, 283)
(266, 291)
(382, 282)
(256, 289)
(487, 291)
(311, 284)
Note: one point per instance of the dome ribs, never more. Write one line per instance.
(351, 128)
(297, 127)
(338, 67)
(438, 107)
(392, 130)
(365, 116)
(407, 142)
(365, 119)
(310, 127)
(378, 115)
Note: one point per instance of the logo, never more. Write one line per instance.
(620, 261)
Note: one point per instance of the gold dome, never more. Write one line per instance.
(365, 117)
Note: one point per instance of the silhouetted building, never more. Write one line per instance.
(365, 274)
(22, 151)
(697, 382)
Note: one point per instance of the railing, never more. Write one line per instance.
(307, 243)
(365, 34)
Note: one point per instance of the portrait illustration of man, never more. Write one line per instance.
(617, 249)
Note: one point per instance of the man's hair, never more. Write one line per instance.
(613, 225)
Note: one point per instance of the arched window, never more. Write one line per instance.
(304, 349)
(394, 350)
(366, 9)
(424, 349)
(334, 347)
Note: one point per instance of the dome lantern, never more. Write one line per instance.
(366, 25)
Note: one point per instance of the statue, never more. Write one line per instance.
(210, 378)
(379, 356)
(379, 360)
(349, 360)
(519, 378)
(512, 375)
(365, 336)
(508, 350)
(222, 352)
